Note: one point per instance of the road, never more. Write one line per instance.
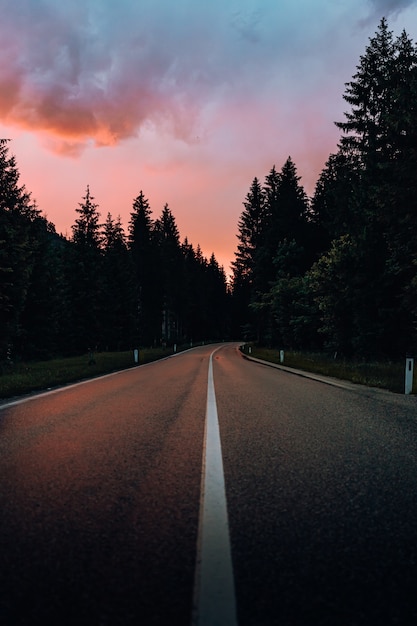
(102, 493)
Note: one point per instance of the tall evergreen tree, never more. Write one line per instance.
(17, 247)
(285, 251)
(377, 131)
(251, 228)
(287, 208)
(119, 288)
(217, 301)
(85, 277)
(143, 248)
(194, 313)
(140, 227)
(167, 238)
(370, 98)
(251, 231)
(86, 232)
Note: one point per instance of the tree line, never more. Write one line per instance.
(102, 288)
(335, 272)
(338, 271)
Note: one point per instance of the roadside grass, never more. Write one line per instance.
(384, 375)
(24, 377)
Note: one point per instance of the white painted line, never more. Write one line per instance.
(214, 593)
(65, 387)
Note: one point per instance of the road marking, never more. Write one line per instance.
(214, 593)
(6, 404)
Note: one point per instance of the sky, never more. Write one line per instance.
(186, 101)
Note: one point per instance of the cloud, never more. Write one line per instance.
(387, 9)
(391, 7)
(82, 73)
(90, 72)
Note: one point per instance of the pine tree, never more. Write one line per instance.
(166, 235)
(86, 230)
(140, 227)
(144, 253)
(379, 133)
(251, 227)
(287, 240)
(119, 292)
(17, 248)
(194, 312)
(370, 97)
(287, 208)
(217, 301)
(251, 231)
(85, 278)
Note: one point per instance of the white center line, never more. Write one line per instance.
(214, 593)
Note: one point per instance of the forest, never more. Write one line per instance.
(102, 289)
(336, 272)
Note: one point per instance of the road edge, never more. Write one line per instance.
(326, 380)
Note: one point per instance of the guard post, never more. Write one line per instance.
(409, 373)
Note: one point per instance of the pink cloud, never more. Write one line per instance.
(189, 101)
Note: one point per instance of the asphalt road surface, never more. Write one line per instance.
(117, 506)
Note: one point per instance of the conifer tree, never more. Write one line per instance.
(119, 293)
(85, 278)
(166, 235)
(193, 319)
(86, 230)
(140, 226)
(251, 228)
(17, 246)
(286, 249)
(251, 231)
(378, 131)
(217, 300)
(144, 252)
(287, 208)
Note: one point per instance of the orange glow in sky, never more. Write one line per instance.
(186, 101)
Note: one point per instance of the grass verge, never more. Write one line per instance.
(389, 375)
(21, 378)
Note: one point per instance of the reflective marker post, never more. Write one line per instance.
(409, 373)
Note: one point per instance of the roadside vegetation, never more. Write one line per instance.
(384, 375)
(24, 377)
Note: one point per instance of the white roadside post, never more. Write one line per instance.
(409, 372)
(136, 355)
(281, 356)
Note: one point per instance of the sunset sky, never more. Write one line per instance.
(187, 100)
